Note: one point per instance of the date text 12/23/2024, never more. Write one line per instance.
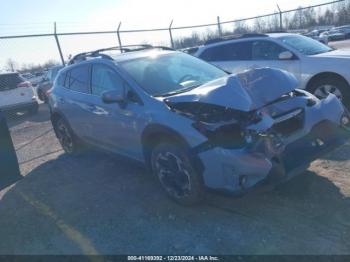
(173, 258)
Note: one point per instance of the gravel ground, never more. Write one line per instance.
(101, 204)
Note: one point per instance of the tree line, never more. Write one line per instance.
(302, 19)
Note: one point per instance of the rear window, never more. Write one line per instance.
(9, 81)
(54, 72)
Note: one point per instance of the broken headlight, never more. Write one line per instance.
(226, 136)
(311, 99)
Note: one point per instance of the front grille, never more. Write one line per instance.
(290, 122)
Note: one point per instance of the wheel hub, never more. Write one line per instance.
(324, 90)
(173, 174)
(64, 137)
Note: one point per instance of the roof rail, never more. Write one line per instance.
(231, 37)
(127, 48)
(190, 50)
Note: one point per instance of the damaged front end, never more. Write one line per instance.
(259, 127)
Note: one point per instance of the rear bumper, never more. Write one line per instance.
(20, 106)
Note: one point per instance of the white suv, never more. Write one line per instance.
(16, 94)
(319, 68)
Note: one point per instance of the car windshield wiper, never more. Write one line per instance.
(322, 52)
(179, 91)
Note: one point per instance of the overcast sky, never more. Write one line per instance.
(37, 16)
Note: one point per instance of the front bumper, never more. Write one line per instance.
(239, 170)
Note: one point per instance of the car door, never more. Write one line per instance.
(74, 100)
(231, 57)
(266, 53)
(115, 125)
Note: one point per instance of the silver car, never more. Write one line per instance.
(192, 124)
(319, 69)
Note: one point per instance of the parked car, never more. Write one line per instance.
(319, 68)
(27, 76)
(37, 78)
(16, 94)
(193, 124)
(334, 34)
(47, 82)
(317, 35)
(345, 29)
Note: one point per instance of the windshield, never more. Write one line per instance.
(173, 73)
(305, 45)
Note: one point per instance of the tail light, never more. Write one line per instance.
(48, 92)
(24, 84)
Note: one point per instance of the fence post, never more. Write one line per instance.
(58, 44)
(281, 21)
(219, 25)
(171, 34)
(119, 40)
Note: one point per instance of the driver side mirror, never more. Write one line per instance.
(286, 55)
(114, 96)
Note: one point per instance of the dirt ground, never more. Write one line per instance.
(101, 204)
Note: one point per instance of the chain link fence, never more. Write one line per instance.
(32, 54)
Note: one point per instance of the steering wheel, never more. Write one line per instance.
(185, 78)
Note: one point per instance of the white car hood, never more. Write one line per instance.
(335, 54)
(245, 91)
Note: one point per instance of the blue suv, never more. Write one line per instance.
(193, 124)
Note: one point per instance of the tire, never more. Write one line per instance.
(41, 95)
(331, 84)
(68, 140)
(175, 171)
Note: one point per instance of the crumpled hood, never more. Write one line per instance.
(245, 91)
(335, 54)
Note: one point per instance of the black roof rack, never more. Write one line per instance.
(127, 48)
(231, 37)
(190, 50)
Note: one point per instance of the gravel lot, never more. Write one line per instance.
(101, 204)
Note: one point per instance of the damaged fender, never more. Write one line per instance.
(254, 120)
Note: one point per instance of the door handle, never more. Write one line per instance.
(91, 107)
(96, 109)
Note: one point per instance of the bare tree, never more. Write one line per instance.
(241, 28)
(11, 65)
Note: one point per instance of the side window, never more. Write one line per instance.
(229, 52)
(104, 79)
(266, 50)
(78, 79)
